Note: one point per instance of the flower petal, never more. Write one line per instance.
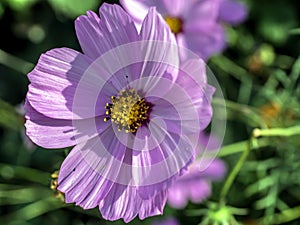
(159, 51)
(153, 206)
(154, 27)
(200, 13)
(195, 98)
(194, 188)
(54, 81)
(98, 35)
(43, 130)
(193, 80)
(206, 40)
(232, 12)
(124, 202)
(114, 20)
(80, 183)
(91, 169)
(152, 174)
(137, 9)
(199, 190)
(212, 169)
(89, 34)
(177, 196)
(174, 8)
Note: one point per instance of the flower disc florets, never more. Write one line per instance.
(174, 23)
(128, 110)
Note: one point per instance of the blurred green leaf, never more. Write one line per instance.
(282, 77)
(282, 217)
(15, 63)
(20, 5)
(10, 195)
(8, 171)
(241, 112)
(33, 210)
(74, 8)
(260, 185)
(295, 31)
(9, 118)
(269, 200)
(276, 22)
(1, 10)
(229, 67)
(295, 74)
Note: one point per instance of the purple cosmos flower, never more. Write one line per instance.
(196, 23)
(195, 185)
(127, 105)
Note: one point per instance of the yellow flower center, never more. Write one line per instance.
(128, 110)
(174, 23)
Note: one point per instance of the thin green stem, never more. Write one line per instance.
(235, 171)
(240, 147)
(15, 63)
(252, 143)
(235, 148)
(284, 132)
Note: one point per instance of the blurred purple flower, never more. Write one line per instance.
(198, 24)
(124, 106)
(168, 221)
(195, 184)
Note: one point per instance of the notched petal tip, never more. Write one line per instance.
(99, 34)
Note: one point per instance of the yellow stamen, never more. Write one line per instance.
(128, 110)
(54, 185)
(174, 23)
